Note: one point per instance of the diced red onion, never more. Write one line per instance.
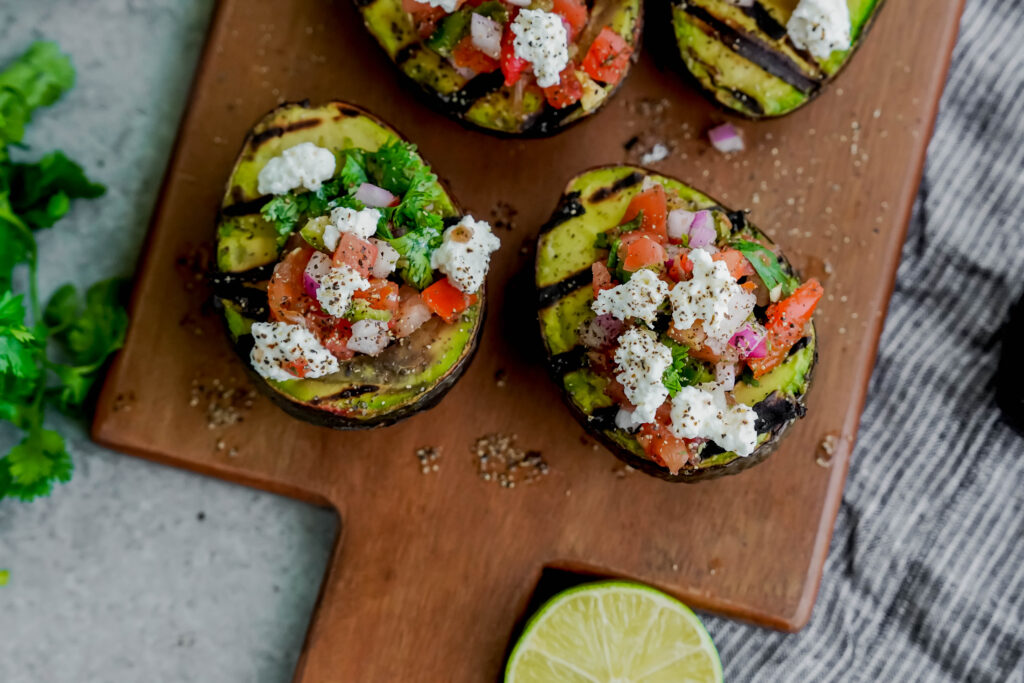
(319, 264)
(725, 375)
(725, 138)
(374, 196)
(601, 331)
(751, 341)
(702, 231)
(486, 34)
(679, 222)
(411, 314)
(368, 336)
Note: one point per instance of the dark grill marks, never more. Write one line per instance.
(775, 411)
(244, 208)
(568, 361)
(546, 296)
(407, 52)
(351, 392)
(569, 206)
(765, 21)
(603, 193)
(251, 302)
(277, 131)
(549, 119)
(757, 52)
(463, 100)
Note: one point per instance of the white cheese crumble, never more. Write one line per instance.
(712, 296)
(448, 6)
(541, 39)
(337, 287)
(369, 337)
(638, 298)
(703, 413)
(465, 253)
(387, 257)
(658, 153)
(362, 224)
(820, 26)
(304, 165)
(279, 343)
(641, 361)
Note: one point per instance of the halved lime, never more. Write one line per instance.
(614, 632)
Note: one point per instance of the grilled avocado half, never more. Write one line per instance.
(592, 203)
(410, 375)
(742, 58)
(484, 101)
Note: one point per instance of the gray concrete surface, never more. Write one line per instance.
(133, 571)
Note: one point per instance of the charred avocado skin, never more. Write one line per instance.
(594, 202)
(483, 101)
(410, 375)
(742, 58)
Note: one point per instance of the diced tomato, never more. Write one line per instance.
(736, 261)
(643, 252)
(285, 294)
(602, 277)
(654, 205)
(617, 393)
(469, 56)
(332, 332)
(511, 65)
(681, 268)
(786, 322)
(424, 17)
(608, 56)
(382, 295)
(295, 367)
(567, 91)
(664, 447)
(356, 253)
(575, 14)
(446, 300)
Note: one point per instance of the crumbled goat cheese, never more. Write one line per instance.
(448, 6)
(712, 296)
(541, 39)
(362, 224)
(820, 26)
(703, 413)
(465, 253)
(641, 361)
(387, 257)
(368, 336)
(337, 287)
(280, 343)
(638, 298)
(626, 419)
(304, 165)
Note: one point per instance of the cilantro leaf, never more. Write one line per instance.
(18, 347)
(35, 79)
(414, 249)
(685, 371)
(34, 465)
(290, 211)
(41, 193)
(767, 266)
(397, 167)
(98, 329)
(353, 171)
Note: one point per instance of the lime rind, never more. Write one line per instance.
(669, 642)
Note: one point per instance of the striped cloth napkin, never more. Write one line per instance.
(925, 577)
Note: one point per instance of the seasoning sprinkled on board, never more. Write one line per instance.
(429, 458)
(499, 459)
(224, 404)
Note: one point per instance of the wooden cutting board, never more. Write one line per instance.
(432, 571)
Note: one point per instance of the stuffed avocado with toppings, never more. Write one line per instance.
(681, 337)
(516, 67)
(766, 58)
(350, 281)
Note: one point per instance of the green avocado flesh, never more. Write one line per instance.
(409, 375)
(742, 57)
(483, 100)
(594, 202)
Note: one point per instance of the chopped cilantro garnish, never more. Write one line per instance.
(767, 266)
(685, 371)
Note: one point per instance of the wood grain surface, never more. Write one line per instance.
(431, 572)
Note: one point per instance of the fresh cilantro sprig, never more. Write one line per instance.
(767, 266)
(685, 370)
(49, 357)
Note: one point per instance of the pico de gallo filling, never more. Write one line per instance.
(367, 257)
(543, 45)
(685, 309)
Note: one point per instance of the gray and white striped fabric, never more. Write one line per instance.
(925, 577)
